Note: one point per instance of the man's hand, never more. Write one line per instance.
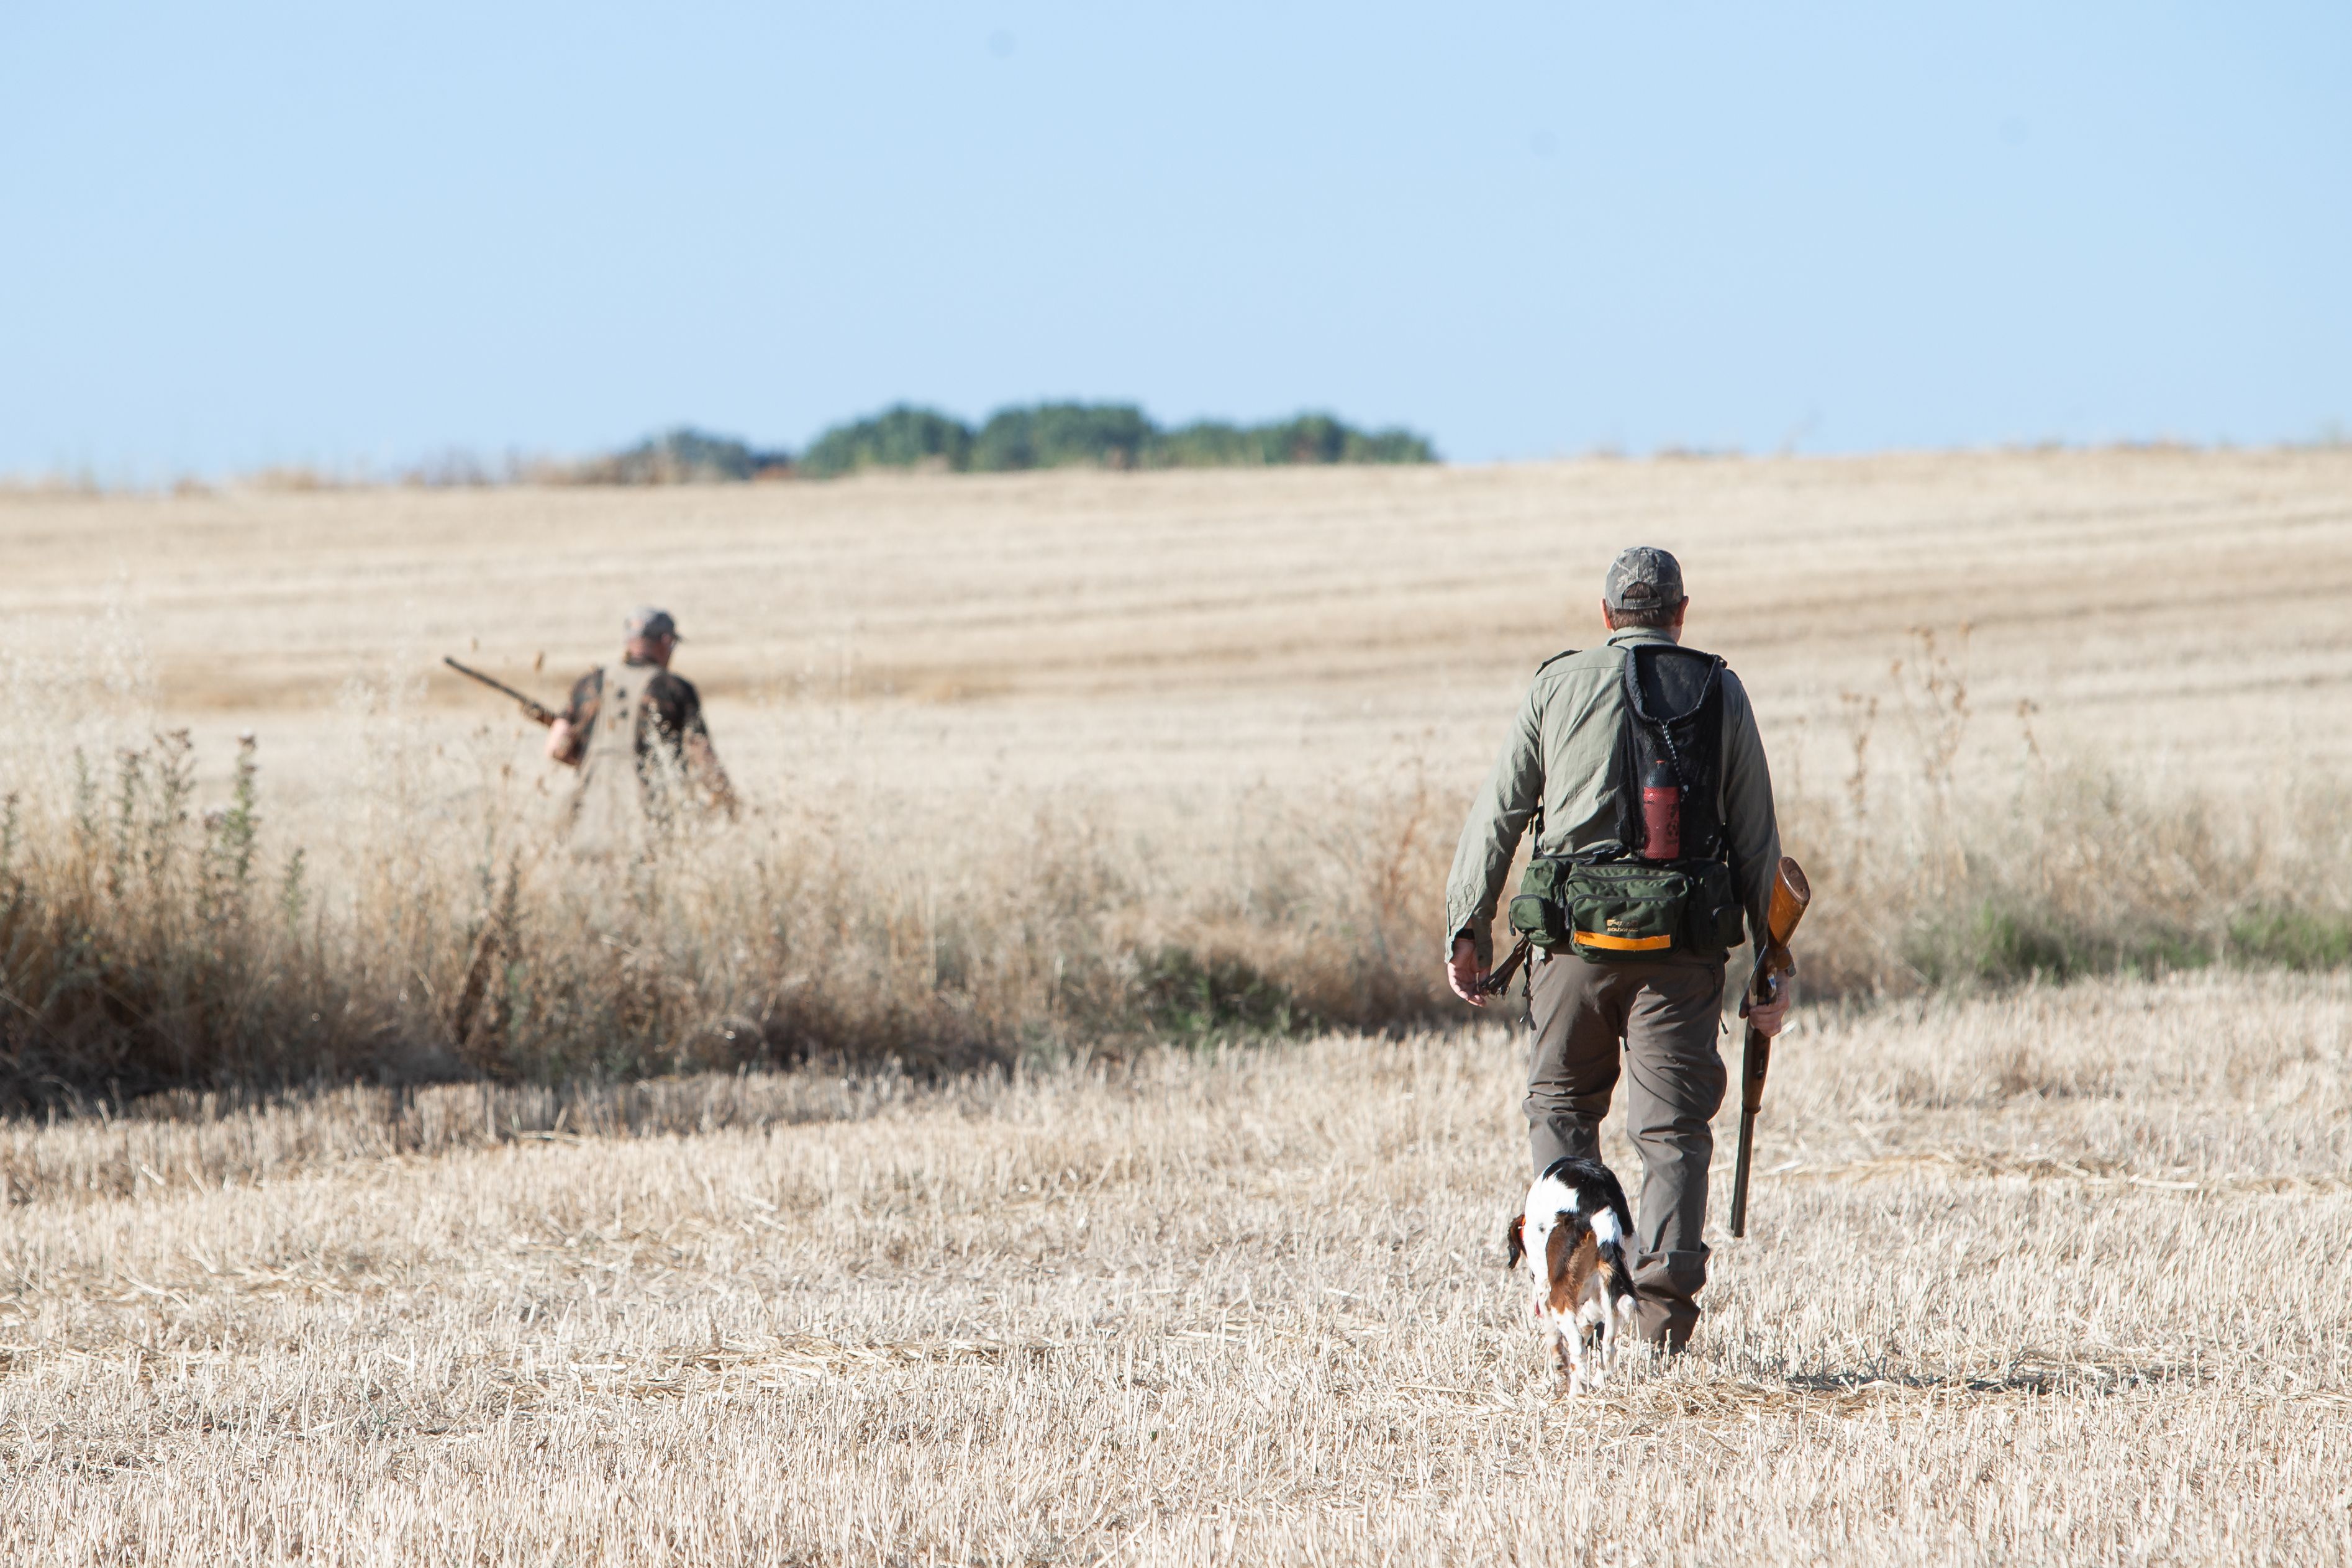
(1767, 1018)
(565, 743)
(1465, 974)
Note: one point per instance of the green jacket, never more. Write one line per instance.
(1557, 754)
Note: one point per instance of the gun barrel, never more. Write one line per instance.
(1739, 1174)
(538, 712)
(1792, 897)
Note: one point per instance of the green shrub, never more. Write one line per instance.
(1310, 438)
(2293, 938)
(1181, 994)
(684, 457)
(1063, 435)
(903, 437)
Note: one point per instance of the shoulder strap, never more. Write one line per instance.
(1556, 658)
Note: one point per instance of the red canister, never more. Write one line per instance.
(1661, 814)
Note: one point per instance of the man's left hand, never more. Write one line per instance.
(1769, 1016)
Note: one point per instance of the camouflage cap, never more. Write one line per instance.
(646, 621)
(1644, 577)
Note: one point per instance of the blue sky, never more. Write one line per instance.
(241, 234)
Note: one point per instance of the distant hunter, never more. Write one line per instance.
(1638, 769)
(635, 732)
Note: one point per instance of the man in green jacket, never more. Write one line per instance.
(1566, 767)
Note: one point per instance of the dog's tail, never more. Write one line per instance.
(1623, 1293)
(1614, 1191)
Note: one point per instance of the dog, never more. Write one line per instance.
(1575, 1223)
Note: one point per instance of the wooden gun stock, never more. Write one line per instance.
(1792, 895)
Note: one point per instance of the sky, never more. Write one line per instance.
(359, 236)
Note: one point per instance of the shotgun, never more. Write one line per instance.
(1774, 964)
(533, 709)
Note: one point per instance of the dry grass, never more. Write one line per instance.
(2056, 1277)
(145, 947)
(1047, 769)
(1047, 759)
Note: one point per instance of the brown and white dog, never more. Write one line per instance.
(1576, 1222)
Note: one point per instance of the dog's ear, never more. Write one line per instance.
(1515, 1245)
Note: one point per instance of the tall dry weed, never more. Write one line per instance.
(2072, 869)
(147, 943)
(150, 939)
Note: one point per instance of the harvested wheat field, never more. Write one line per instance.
(1192, 634)
(1034, 759)
(1036, 1132)
(2062, 1277)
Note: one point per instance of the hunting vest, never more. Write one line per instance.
(619, 789)
(1620, 898)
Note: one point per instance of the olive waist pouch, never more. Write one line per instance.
(1614, 909)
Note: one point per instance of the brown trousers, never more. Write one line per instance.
(1666, 1013)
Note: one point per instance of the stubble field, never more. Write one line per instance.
(2042, 1273)
(2061, 1277)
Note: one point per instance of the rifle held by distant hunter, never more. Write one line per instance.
(1774, 964)
(533, 708)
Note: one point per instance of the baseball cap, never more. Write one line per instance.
(646, 621)
(1644, 577)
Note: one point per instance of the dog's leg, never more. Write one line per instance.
(1574, 1341)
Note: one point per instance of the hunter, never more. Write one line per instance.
(635, 732)
(1638, 767)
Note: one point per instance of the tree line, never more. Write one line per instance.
(1044, 435)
